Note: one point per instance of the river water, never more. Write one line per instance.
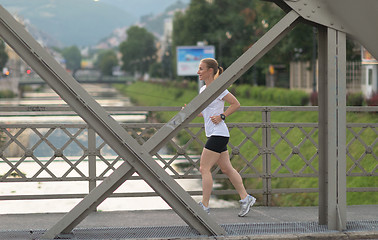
(106, 96)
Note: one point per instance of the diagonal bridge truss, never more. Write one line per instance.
(138, 158)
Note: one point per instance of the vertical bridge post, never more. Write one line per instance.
(332, 128)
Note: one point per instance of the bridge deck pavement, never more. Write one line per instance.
(267, 217)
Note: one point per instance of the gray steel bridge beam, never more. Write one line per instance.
(138, 157)
(332, 128)
(84, 208)
(116, 137)
(185, 116)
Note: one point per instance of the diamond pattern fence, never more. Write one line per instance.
(270, 156)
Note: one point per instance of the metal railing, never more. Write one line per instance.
(265, 151)
(27, 80)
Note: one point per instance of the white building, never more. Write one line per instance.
(369, 83)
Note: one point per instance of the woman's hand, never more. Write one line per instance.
(216, 119)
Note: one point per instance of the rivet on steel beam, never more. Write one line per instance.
(235, 151)
(181, 151)
(58, 153)
(295, 150)
(369, 150)
(29, 153)
(260, 150)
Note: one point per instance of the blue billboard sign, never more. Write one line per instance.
(189, 57)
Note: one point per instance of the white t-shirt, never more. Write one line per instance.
(213, 109)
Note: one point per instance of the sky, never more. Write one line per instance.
(86, 24)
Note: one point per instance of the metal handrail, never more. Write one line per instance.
(92, 154)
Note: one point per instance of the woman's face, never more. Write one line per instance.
(204, 72)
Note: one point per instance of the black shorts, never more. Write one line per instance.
(217, 143)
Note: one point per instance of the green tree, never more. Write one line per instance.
(195, 24)
(231, 26)
(156, 70)
(106, 61)
(138, 50)
(73, 57)
(3, 55)
(234, 26)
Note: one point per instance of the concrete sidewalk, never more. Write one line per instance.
(265, 217)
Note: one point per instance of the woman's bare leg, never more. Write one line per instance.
(208, 159)
(234, 176)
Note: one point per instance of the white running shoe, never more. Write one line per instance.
(206, 209)
(245, 205)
